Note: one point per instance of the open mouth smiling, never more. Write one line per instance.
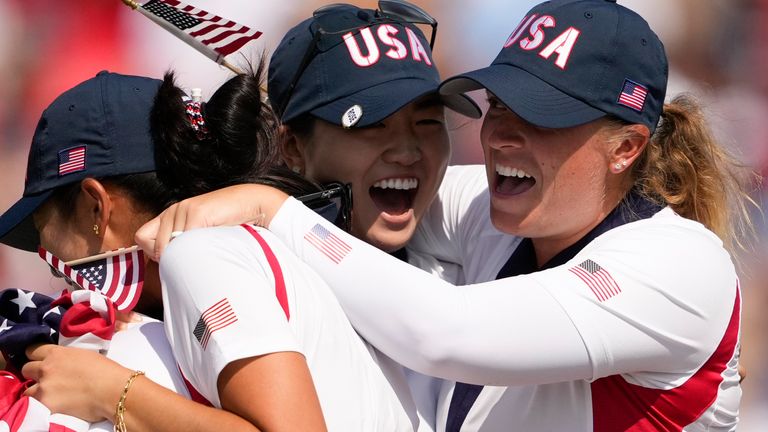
(394, 196)
(512, 181)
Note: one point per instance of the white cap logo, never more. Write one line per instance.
(352, 116)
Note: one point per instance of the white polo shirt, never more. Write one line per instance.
(224, 302)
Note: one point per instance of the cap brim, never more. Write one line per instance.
(17, 229)
(526, 95)
(381, 101)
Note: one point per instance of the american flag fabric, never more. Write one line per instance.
(213, 319)
(71, 160)
(62, 269)
(599, 281)
(327, 243)
(633, 95)
(210, 34)
(84, 319)
(119, 277)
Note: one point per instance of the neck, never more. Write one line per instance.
(548, 247)
(151, 301)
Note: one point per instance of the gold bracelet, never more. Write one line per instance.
(120, 409)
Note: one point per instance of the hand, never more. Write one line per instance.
(124, 319)
(74, 381)
(234, 205)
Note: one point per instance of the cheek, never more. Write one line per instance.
(437, 152)
(63, 241)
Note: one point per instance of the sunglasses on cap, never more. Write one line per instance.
(334, 203)
(389, 11)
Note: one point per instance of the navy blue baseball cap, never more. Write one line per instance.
(354, 67)
(570, 62)
(99, 128)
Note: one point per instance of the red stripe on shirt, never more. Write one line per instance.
(274, 264)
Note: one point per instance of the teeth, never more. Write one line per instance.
(400, 183)
(511, 172)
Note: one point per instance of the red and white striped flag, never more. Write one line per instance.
(119, 274)
(213, 319)
(599, 281)
(327, 243)
(210, 34)
(633, 95)
(71, 160)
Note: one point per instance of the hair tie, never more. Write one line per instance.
(194, 112)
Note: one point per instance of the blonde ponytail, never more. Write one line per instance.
(686, 168)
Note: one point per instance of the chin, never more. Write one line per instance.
(505, 222)
(389, 240)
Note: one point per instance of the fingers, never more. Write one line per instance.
(154, 236)
(123, 319)
(145, 236)
(32, 370)
(39, 351)
(32, 391)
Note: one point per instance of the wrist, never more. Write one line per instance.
(270, 201)
(111, 389)
(120, 406)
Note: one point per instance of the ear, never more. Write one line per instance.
(96, 206)
(292, 148)
(634, 139)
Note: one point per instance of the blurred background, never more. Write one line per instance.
(717, 51)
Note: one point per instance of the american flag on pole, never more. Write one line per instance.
(327, 243)
(83, 319)
(71, 160)
(210, 34)
(599, 281)
(119, 275)
(633, 95)
(63, 270)
(213, 319)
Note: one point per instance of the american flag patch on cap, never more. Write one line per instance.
(633, 95)
(71, 160)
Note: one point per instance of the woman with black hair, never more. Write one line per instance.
(253, 330)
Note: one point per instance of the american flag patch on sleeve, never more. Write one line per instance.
(599, 281)
(327, 243)
(213, 319)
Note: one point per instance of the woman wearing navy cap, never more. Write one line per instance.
(616, 304)
(254, 331)
(387, 121)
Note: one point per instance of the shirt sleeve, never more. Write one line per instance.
(220, 304)
(544, 327)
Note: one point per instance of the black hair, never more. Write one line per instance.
(238, 147)
(145, 189)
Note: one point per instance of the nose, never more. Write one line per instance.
(404, 150)
(503, 133)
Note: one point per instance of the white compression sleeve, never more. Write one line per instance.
(496, 333)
